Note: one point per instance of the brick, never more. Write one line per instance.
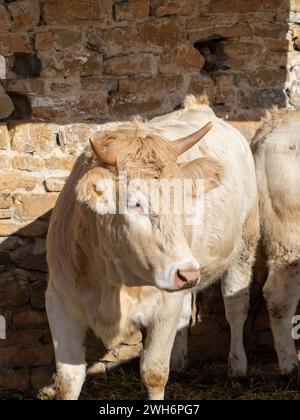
(5, 162)
(122, 105)
(263, 97)
(12, 379)
(31, 254)
(114, 41)
(17, 180)
(4, 137)
(295, 5)
(59, 39)
(26, 337)
(37, 294)
(5, 22)
(239, 48)
(262, 78)
(224, 87)
(77, 11)
(44, 40)
(296, 31)
(5, 201)
(25, 14)
(40, 137)
(29, 318)
(25, 86)
(14, 43)
(54, 184)
(131, 65)
(272, 30)
(65, 163)
(95, 84)
(278, 45)
(181, 58)
(67, 38)
(73, 138)
(132, 10)
(28, 207)
(85, 65)
(91, 106)
(165, 32)
(5, 214)
(178, 7)
(28, 163)
(6, 105)
(15, 357)
(54, 113)
(60, 87)
(13, 289)
(236, 6)
(151, 84)
(236, 31)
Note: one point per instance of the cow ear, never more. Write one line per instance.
(97, 189)
(206, 174)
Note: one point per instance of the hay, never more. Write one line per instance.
(208, 382)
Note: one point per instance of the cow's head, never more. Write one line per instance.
(127, 187)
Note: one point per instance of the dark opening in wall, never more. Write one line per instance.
(27, 65)
(22, 107)
(212, 52)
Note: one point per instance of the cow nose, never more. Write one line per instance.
(186, 278)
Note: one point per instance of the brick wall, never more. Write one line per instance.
(66, 66)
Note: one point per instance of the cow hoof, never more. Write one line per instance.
(291, 380)
(47, 393)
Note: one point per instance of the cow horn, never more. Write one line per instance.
(185, 143)
(105, 154)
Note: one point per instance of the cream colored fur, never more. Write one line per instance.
(277, 156)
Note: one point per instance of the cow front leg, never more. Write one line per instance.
(68, 336)
(281, 292)
(235, 290)
(155, 358)
(179, 355)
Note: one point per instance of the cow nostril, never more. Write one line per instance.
(181, 276)
(187, 278)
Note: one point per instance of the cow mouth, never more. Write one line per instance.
(189, 285)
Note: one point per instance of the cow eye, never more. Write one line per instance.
(135, 205)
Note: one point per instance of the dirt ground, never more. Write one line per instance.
(206, 382)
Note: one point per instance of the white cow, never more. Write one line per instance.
(113, 272)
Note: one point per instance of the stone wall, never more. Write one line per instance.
(66, 66)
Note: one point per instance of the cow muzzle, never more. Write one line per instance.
(186, 278)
